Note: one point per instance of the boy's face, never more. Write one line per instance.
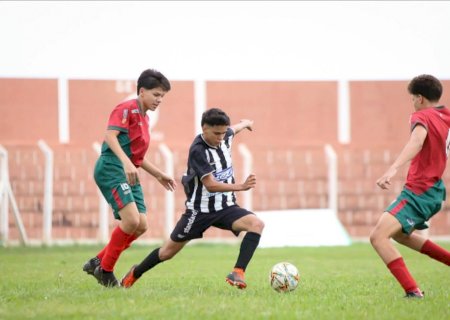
(214, 135)
(151, 98)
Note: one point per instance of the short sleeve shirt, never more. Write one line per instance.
(134, 136)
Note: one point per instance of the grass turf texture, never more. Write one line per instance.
(335, 283)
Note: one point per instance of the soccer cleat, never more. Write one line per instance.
(415, 294)
(129, 279)
(236, 279)
(107, 279)
(90, 265)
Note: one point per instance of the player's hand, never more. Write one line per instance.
(167, 182)
(247, 124)
(131, 173)
(385, 181)
(249, 183)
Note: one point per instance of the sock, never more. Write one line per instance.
(401, 273)
(248, 247)
(114, 248)
(129, 241)
(127, 245)
(436, 252)
(149, 262)
(102, 253)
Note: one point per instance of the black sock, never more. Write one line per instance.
(149, 262)
(248, 247)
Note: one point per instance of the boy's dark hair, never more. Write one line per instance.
(150, 79)
(427, 86)
(215, 117)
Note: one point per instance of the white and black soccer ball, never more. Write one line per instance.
(284, 277)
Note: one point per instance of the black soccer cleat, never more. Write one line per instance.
(416, 294)
(106, 279)
(90, 265)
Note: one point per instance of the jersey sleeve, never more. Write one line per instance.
(418, 118)
(199, 162)
(229, 133)
(119, 119)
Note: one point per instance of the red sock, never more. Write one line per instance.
(129, 241)
(436, 252)
(401, 273)
(114, 248)
(127, 245)
(102, 253)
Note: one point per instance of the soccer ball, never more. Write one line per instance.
(284, 277)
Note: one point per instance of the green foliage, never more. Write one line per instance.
(336, 283)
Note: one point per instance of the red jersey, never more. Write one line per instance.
(134, 136)
(429, 164)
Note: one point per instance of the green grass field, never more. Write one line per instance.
(336, 283)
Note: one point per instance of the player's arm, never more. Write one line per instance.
(166, 181)
(212, 185)
(128, 166)
(410, 150)
(243, 124)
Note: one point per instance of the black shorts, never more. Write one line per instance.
(193, 224)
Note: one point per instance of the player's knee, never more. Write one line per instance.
(260, 225)
(374, 238)
(256, 225)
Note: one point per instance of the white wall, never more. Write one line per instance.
(225, 40)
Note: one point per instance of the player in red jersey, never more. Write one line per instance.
(116, 172)
(424, 190)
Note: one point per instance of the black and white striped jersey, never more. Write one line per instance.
(203, 160)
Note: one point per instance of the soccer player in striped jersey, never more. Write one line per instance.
(116, 172)
(209, 186)
(424, 190)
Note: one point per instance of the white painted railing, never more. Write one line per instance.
(5, 194)
(247, 169)
(103, 222)
(332, 178)
(169, 196)
(48, 193)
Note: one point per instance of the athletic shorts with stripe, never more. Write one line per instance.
(192, 224)
(414, 210)
(110, 178)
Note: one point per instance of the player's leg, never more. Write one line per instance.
(130, 220)
(424, 246)
(245, 221)
(189, 226)
(142, 227)
(168, 250)
(389, 227)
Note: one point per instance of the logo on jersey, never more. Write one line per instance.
(124, 116)
(224, 175)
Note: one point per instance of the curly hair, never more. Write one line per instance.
(427, 86)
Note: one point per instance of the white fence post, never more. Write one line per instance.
(48, 193)
(5, 193)
(103, 223)
(332, 178)
(4, 210)
(169, 196)
(246, 171)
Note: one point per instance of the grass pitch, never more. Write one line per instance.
(335, 283)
